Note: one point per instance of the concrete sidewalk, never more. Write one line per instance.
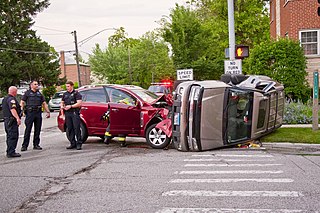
(298, 126)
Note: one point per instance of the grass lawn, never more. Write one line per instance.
(293, 135)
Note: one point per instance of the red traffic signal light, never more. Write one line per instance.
(242, 51)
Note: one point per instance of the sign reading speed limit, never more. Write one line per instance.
(186, 74)
(233, 67)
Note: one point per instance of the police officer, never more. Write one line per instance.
(11, 112)
(71, 104)
(32, 102)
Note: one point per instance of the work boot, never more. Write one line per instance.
(122, 139)
(13, 155)
(37, 147)
(79, 147)
(71, 147)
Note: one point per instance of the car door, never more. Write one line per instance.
(94, 105)
(124, 113)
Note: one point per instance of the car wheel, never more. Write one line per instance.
(84, 133)
(156, 138)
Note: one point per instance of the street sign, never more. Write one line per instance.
(233, 67)
(186, 74)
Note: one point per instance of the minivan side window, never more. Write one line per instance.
(94, 95)
(262, 113)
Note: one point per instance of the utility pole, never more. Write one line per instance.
(77, 57)
(232, 40)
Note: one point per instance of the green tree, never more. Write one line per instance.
(284, 61)
(150, 61)
(23, 56)
(132, 61)
(198, 33)
(110, 65)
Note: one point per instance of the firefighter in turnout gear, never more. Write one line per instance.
(12, 114)
(32, 103)
(71, 104)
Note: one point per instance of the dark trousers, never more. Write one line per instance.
(73, 127)
(34, 117)
(12, 136)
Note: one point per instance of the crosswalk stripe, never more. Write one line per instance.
(228, 172)
(225, 180)
(220, 210)
(233, 155)
(203, 193)
(227, 160)
(231, 165)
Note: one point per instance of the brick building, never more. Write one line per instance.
(69, 69)
(298, 19)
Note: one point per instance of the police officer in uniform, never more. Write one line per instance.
(71, 104)
(11, 112)
(33, 101)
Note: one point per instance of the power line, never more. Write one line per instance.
(80, 43)
(25, 51)
(54, 34)
(61, 45)
(46, 28)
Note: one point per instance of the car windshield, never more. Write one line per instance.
(57, 95)
(238, 115)
(146, 95)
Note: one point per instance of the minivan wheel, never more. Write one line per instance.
(84, 133)
(156, 138)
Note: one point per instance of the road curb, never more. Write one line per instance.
(300, 147)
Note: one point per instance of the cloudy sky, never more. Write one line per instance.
(88, 17)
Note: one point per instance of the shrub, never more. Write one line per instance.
(297, 112)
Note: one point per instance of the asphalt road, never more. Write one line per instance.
(110, 178)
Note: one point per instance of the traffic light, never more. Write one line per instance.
(242, 51)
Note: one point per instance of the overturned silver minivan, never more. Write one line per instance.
(211, 114)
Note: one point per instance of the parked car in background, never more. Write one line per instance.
(54, 103)
(1, 112)
(133, 111)
(213, 114)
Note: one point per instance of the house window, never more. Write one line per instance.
(309, 42)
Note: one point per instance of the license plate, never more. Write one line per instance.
(176, 119)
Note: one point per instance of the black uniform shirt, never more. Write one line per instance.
(33, 99)
(9, 103)
(70, 98)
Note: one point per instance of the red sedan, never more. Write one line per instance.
(133, 111)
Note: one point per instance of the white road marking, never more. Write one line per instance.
(244, 156)
(226, 210)
(204, 193)
(228, 172)
(228, 160)
(233, 155)
(225, 180)
(231, 165)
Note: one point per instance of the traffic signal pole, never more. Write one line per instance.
(232, 39)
